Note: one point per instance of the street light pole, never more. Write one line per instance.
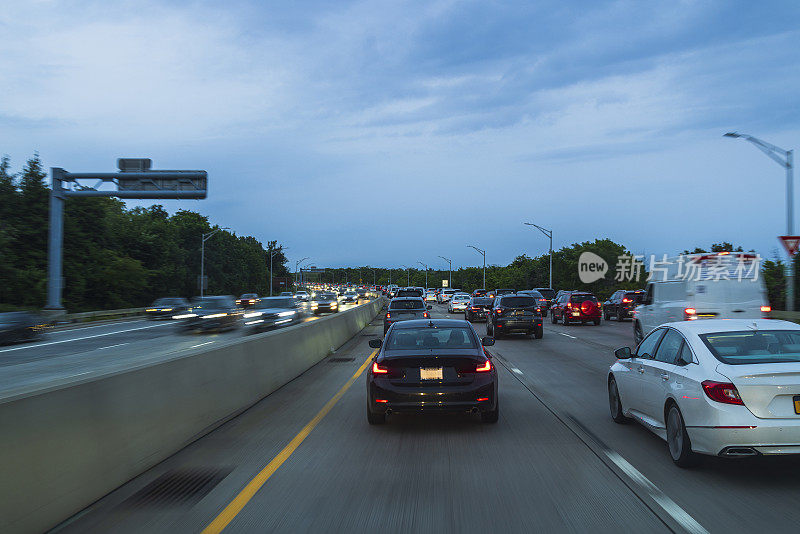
(784, 158)
(450, 278)
(482, 253)
(426, 274)
(548, 233)
(296, 268)
(205, 237)
(408, 275)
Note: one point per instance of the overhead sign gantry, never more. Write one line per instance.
(135, 179)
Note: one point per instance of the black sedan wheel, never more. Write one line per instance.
(492, 416)
(538, 332)
(620, 316)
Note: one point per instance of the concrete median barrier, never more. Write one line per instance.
(67, 446)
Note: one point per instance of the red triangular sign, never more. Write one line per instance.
(791, 243)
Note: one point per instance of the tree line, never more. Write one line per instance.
(115, 257)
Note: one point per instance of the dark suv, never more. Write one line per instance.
(514, 313)
(405, 309)
(576, 306)
(409, 292)
(478, 308)
(621, 304)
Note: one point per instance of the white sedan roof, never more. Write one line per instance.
(705, 326)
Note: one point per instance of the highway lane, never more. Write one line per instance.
(569, 373)
(84, 351)
(529, 472)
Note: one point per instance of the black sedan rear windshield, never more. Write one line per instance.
(518, 302)
(431, 338)
(765, 346)
(407, 305)
(482, 302)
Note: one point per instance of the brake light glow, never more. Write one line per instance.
(689, 314)
(381, 400)
(766, 309)
(483, 399)
(485, 367)
(388, 315)
(626, 300)
(426, 315)
(378, 370)
(723, 392)
(498, 311)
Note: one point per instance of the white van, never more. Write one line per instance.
(703, 286)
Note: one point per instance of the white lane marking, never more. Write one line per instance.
(516, 370)
(569, 336)
(97, 326)
(112, 346)
(201, 344)
(82, 338)
(671, 507)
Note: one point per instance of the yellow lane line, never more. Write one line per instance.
(226, 516)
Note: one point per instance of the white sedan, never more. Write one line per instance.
(458, 303)
(727, 388)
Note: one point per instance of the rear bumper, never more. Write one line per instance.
(403, 399)
(518, 325)
(769, 437)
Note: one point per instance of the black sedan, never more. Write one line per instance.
(273, 312)
(477, 308)
(434, 365)
(211, 313)
(165, 308)
(21, 326)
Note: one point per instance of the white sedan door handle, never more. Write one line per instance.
(664, 376)
(640, 369)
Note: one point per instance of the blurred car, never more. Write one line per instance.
(548, 293)
(458, 303)
(325, 302)
(479, 293)
(621, 304)
(211, 313)
(165, 308)
(405, 309)
(302, 296)
(513, 313)
(721, 387)
(436, 365)
(247, 300)
(576, 306)
(498, 292)
(350, 296)
(272, 312)
(541, 302)
(21, 326)
(286, 294)
(430, 295)
(362, 294)
(478, 308)
(445, 295)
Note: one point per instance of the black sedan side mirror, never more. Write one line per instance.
(487, 341)
(375, 343)
(623, 353)
(430, 307)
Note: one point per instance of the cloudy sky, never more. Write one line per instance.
(387, 133)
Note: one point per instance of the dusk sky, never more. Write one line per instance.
(387, 133)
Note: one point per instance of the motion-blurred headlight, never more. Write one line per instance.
(215, 315)
(252, 314)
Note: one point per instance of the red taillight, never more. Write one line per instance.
(475, 308)
(498, 311)
(426, 314)
(722, 392)
(388, 315)
(766, 309)
(378, 370)
(381, 400)
(626, 300)
(485, 367)
(483, 399)
(689, 314)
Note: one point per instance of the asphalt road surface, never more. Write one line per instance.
(304, 459)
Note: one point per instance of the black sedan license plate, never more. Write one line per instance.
(431, 373)
(797, 404)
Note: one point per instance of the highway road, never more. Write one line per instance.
(304, 459)
(84, 351)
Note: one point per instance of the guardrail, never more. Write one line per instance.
(68, 444)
